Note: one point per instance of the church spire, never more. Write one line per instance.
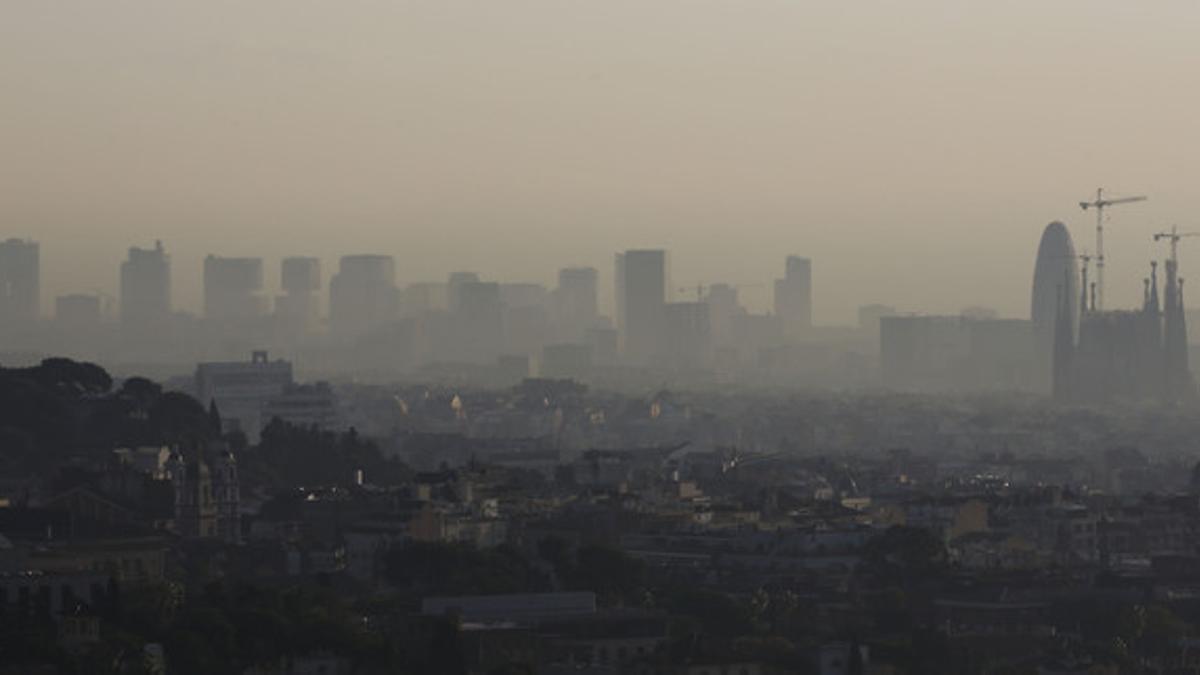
(1178, 377)
(1154, 286)
(1083, 293)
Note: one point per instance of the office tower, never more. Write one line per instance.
(146, 286)
(793, 296)
(574, 305)
(362, 295)
(77, 311)
(1056, 281)
(644, 286)
(300, 279)
(232, 288)
(20, 283)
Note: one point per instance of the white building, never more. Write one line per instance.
(242, 390)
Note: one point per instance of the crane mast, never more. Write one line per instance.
(1100, 204)
(1174, 236)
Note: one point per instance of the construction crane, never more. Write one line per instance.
(1100, 204)
(1174, 236)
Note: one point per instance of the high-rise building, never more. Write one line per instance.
(145, 286)
(793, 296)
(575, 305)
(644, 286)
(300, 279)
(232, 288)
(362, 295)
(1056, 282)
(20, 282)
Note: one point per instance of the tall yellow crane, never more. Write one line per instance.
(1100, 204)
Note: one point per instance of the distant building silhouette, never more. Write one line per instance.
(145, 287)
(242, 390)
(575, 302)
(793, 295)
(1124, 355)
(946, 353)
(644, 276)
(922, 352)
(298, 305)
(454, 282)
(232, 288)
(362, 295)
(20, 283)
(1055, 282)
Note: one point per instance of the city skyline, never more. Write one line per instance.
(680, 337)
(757, 294)
(495, 139)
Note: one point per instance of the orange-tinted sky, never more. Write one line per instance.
(913, 149)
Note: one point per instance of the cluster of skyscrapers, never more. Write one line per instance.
(475, 329)
(368, 321)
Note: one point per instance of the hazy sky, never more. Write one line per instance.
(913, 149)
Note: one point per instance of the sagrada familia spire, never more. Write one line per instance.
(1124, 355)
